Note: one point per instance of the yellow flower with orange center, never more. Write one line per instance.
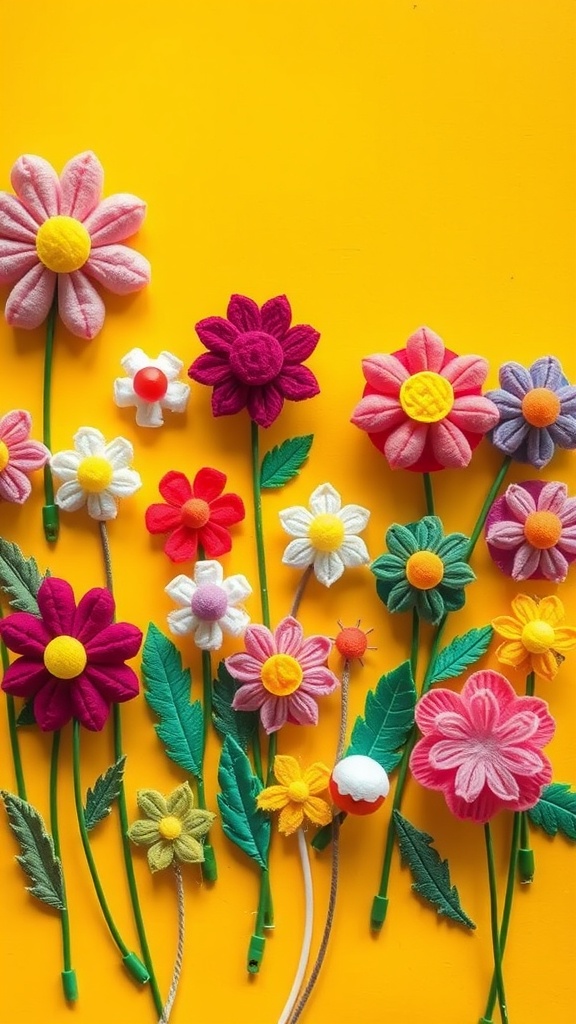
(535, 637)
(295, 796)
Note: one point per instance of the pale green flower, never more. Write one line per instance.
(172, 827)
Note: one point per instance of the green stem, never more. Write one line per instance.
(261, 552)
(487, 505)
(209, 865)
(428, 494)
(530, 684)
(415, 642)
(257, 940)
(510, 885)
(494, 925)
(526, 853)
(69, 982)
(50, 518)
(12, 727)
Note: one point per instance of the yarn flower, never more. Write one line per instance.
(254, 359)
(282, 674)
(151, 386)
(72, 657)
(537, 410)
(531, 531)
(295, 796)
(425, 569)
(196, 513)
(423, 407)
(535, 637)
(95, 474)
(208, 605)
(325, 535)
(58, 232)
(171, 827)
(19, 456)
(483, 748)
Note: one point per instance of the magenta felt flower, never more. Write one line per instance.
(483, 748)
(254, 359)
(423, 406)
(58, 231)
(282, 674)
(531, 531)
(71, 662)
(19, 456)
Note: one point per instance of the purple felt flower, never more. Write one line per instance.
(531, 531)
(254, 359)
(71, 662)
(537, 411)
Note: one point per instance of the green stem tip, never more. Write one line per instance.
(526, 866)
(136, 968)
(378, 914)
(209, 866)
(70, 986)
(255, 953)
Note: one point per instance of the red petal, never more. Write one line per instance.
(208, 484)
(89, 706)
(229, 398)
(182, 545)
(210, 369)
(215, 540)
(265, 404)
(244, 313)
(216, 333)
(114, 644)
(25, 634)
(161, 518)
(175, 488)
(116, 684)
(227, 510)
(276, 316)
(25, 677)
(298, 383)
(94, 613)
(57, 605)
(299, 343)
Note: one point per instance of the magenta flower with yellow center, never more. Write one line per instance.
(535, 639)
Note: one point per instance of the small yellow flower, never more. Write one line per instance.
(295, 796)
(534, 638)
(172, 827)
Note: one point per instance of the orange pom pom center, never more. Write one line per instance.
(542, 529)
(426, 397)
(424, 570)
(195, 513)
(281, 675)
(540, 407)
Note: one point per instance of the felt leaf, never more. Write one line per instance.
(26, 716)
(242, 822)
(283, 462)
(19, 578)
(431, 874)
(168, 694)
(38, 858)
(106, 789)
(556, 810)
(462, 652)
(388, 718)
(239, 724)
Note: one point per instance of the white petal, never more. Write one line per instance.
(134, 361)
(148, 414)
(169, 364)
(296, 520)
(354, 517)
(325, 500)
(235, 621)
(176, 397)
(124, 394)
(89, 441)
(208, 571)
(181, 622)
(119, 453)
(299, 553)
(353, 552)
(236, 588)
(65, 465)
(124, 483)
(102, 506)
(181, 589)
(208, 636)
(70, 496)
(328, 567)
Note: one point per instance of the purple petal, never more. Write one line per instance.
(526, 562)
(302, 708)
(299, 343)
(95, 611)
(563, 431)
(114, 644)
(276, 316)
(229, 397)
(53, 705)
(508, 435)
(25, 634)
(547, 373)
(553, 565)
(24, 677)
(516, 379)
(274, 713)
(297, 383)
(217, 334)
(243, 313)
(567, 396)
(540, 447)
(57, 606)
(265, 404)
(508, 405)
(89, 706)
(117, 683)
(210, 369)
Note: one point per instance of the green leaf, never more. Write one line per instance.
(556, 810)
(37, 859)
(168, 694)
(242, 822)
(388, 718)
(106, 789)
(431, 874)
(26, 716)
(239, 724)
(285, 461)
(19, 578)
(462, 652)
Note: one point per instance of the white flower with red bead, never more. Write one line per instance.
(151, 386)
(358, 784)
(209, 605)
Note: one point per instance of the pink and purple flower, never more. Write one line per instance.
(531, 531)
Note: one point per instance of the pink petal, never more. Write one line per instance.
(552, 497)
(89, 706)
(449, 445)
(245, 668)
(501, 780)
(546, 724)
(451, 753)
(519, 501)
(567, 542)
(14, 485)
(470, 779)
(466, 373)
(288, 637)
(16, 259)
(568, 514)
(378, 412)
(25, 634)
(474, 414)
(15, 427)
(314, 651)
(249, 697)
(506, 534)
(79, 305)
(53, 705)
(425, 350)
(453, 725)
(483, 711)
(28, 456)
(113, 644)
(553, 565)
(115, 219)
(116, 684)
(299, 343)
(229, 397)
(276, 316)
(24, 677)
(526, 562)
(264, 404)
(274, 713)
(217, 334)
(121, 270)
(259, 643)
(57, 606)
(487, 679)
(302, 708)
(36, 184)
(522, 760)
(421, 767)
(531, 789)
(435, 703)
(29, 301)
(94, 614)
(319, 681)
(15, 221)
(210, 369)
(81, 183)
(297, 382)
(243, 313)
(480, 810)
(517, 726)
(385, 373)
(405, 445)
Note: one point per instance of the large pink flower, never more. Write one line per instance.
(423, 407)
(482, 748)
(531, 531)
(282, 674)
(19, 456)
(58, 231)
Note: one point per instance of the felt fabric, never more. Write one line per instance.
(209, 605)
(359, 784)
(296, 795)
(535, 636)
(482, 748)
(95, 474)
(352, 642)
(531, 531)
(326, 535)
(196, 513)
(149, 412)
(19, 456)
(172, 827)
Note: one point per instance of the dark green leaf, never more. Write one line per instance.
(431, 874)
(106, 789)
(168, 694)
(462, 652)
(242, 822)
(556, 810)
(284, 461)
(239, 724)
(26, 716)
(19, 578)
(388, 718)
(37, 859)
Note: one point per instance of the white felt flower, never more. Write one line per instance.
(95, 474)
(151, 385)
(208, 605)
(325, 535)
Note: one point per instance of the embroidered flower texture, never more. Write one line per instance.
(326, 535)
(531, 531)
(535, 637)
(58, 233)
(254, 359)
(425, 569)
(151, 386)
(195, 514)
(282, 674)
(295, 796)
(423, 407)
(171, 827)
(483, 748)
(72, 657)
(19, 456)
(537, 410)
(95, 474)
(208, 605)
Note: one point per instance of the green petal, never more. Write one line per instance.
(389, 567)
(152, 804)
(188, 849)
(430, 605)
(453, 599)
(428, 533)
(458, 575)
(197, 823)
(143, 832)
(400, 541)
(453, 547)
(160, 856)
(181, 801)
(402, 597)
(383, 589)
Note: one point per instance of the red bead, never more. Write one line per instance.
(347, 803)
(150, 384)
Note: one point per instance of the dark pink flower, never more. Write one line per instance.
(19, 456)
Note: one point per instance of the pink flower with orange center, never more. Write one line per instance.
(531, 531)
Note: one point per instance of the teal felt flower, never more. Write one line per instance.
(424, 569)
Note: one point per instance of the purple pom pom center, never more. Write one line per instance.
(209, 602)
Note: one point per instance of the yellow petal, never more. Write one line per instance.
(506, 626)
(317, 776)
(525, 608)
(286, 769)
(512, 653)
(290, 819)
(545, 665)
(317, 810)
(564, 638)
(273, 798)
(551, 610)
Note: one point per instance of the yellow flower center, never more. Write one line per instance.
(426, 397)
(65, 657)
(170, 827)
(63, 244)
(538, 636)
(326, 532)
(298, 791)
(281, 674)
(4, 456)
(540, 407)
(424, 570)
(542, 529)
(94, 474)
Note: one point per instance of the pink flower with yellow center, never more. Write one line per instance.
(19, 456)
(531, 531)
(535, 637)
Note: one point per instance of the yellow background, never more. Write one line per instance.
(385, 165)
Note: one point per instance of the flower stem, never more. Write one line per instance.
(300, 590)
(50, 518)
(428, 494)
(308, 923)
(69, 983)
(209, 865)
(257, 940)
(415, 642)
(487, 1018)
(488, 504)
(12, 727)
(526, 853)
(167, 1009)
(494, 925)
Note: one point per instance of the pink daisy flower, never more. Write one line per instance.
(58, 232)
(423, 407)
(482, 748)
(19, 456)
(282, 674)
(531, 531)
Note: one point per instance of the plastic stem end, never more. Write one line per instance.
(378, 915)
(51, 522)
(485, 1020)
(255, 953)
(70, 986)
(526, 865)
(134, 965)
(209, 866)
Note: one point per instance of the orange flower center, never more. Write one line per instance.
(424, 570)
(537, 636)
(542, 529)
(281, 675)
(540, 407)
(426, 397)
(195, 513)
(298, 791)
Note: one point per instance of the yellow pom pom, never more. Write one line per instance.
(63, 244)
(326, 532)
(65, 657)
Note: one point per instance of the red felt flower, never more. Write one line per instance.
(194, 514)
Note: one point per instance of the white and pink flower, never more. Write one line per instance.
(19, 456)
(209, 605)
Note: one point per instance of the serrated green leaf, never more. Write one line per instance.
(556, 810)
(19, 578)
(284, 461)
(239, 724)
(168, 694)
(431, 874)
(388, 718)
(106, 789)
(26, 716)
(242, 822)
(462, 652)
(38, 858)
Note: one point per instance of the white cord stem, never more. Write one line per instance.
(308, 922)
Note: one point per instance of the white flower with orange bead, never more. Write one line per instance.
(95, 474)
(325, 535)
(151, 386)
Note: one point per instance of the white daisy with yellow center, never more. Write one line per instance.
(95, 474)
(326, 535)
